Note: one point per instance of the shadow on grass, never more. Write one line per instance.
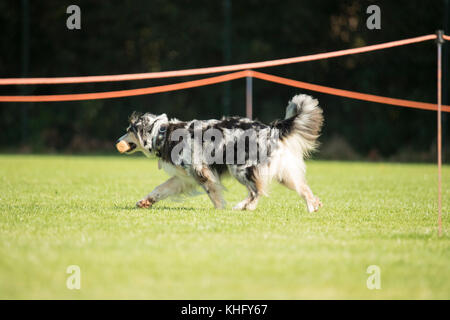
(157, 208)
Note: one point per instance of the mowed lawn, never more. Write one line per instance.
(57, 211)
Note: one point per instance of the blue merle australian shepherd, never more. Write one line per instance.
(252, 152)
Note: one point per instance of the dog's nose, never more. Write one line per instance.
(121, 138)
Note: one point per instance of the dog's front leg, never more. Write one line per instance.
(171, 187)
(211, 184)
(214, 193)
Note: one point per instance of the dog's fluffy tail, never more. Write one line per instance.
(302, 124)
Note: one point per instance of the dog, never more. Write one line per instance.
(281, 149)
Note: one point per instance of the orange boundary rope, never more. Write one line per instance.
(125, 93)
(348, 94)
(223, 78)
(199, 71)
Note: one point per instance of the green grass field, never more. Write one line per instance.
(58, 211)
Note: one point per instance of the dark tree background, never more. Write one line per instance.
(133, 36)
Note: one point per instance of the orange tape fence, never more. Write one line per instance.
(223, 78)
(219, 79)
(349, 94)
(125, 93)
(199, 71)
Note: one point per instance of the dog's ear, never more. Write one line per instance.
(147, 119)
(135, 116)
(163, 117)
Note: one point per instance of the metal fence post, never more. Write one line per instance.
(440, 41)
(249, 97)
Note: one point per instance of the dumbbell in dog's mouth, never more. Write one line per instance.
(125, 147)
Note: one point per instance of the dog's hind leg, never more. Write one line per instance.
(254, 185)
(250, 202)
(292, 175)
(297, 183)
(312, 202)
(171, 187)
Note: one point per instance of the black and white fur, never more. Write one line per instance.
(295, 138)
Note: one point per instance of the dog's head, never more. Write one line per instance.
(141, 132)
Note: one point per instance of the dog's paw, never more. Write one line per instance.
(144, 203)
(315, 205)
(245, 205)
(240, 206)
(319, 203)
(251, 205)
